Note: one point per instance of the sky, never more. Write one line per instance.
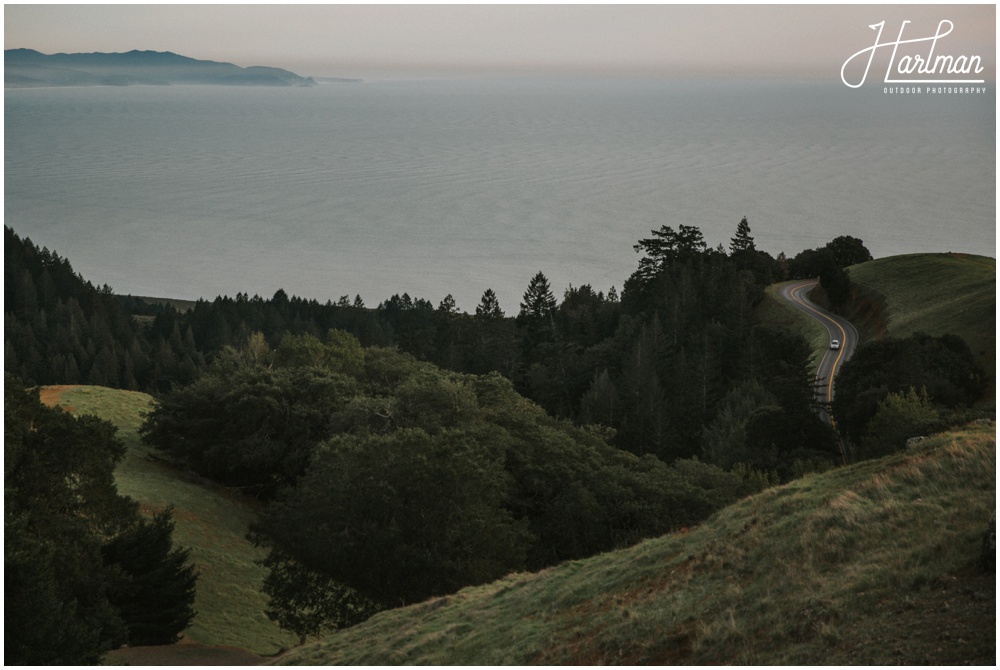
(412, 41)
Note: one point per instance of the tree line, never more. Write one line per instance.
(653, 364)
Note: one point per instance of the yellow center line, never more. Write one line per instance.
(826, 319)
(836, 362)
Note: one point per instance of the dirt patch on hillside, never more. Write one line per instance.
(51, 396)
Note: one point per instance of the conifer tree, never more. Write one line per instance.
(489, 306)
(742, 241)
(539, 303)
(156, 589)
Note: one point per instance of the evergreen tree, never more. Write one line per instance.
(489, 306)
(667, 247)
(536, 321)
(538, 302)
(448, 306)
(156, 587)
(742, 241)
(598, 403)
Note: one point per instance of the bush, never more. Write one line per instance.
(899, 417)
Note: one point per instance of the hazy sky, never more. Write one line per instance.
(375, 41)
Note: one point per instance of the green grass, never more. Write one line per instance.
(937, 294)
(824, 570)
(929, 293)
(209, 521)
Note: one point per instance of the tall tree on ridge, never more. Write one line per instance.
(742, 241)
(537, 313)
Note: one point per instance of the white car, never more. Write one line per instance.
(835, 344)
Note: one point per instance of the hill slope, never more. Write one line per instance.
(213, 524)
(874, 563)
(936, 294)
(902, 295)
(27, 67)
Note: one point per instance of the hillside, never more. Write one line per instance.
(875, 563)
(936, 294)
(30, 68)
(209, 520)
(870, 564)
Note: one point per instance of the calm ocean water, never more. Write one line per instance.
(454, 187)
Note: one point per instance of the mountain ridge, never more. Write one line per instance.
(27, 68)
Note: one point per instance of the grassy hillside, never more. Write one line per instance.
(929, 293)
(870, 564)
(209, 521)
(937, 294)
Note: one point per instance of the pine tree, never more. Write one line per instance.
(156, 591)
(742, 241)
(489, 306)
(539, 303)
(536, 318)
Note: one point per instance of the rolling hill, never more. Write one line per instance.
(870, 564)
(936, 294)
(902, 295)
(29, 68)
(874, 563)
(210, 520)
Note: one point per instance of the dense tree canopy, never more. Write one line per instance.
(942, 366)
(60, 329)
(414, 481)
(840, 253)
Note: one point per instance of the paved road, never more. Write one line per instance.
(838, 328)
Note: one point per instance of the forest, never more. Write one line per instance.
(653, 364)
(406, 450)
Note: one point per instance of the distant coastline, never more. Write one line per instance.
(336, 80)
(27, 68)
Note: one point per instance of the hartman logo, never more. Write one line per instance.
(914, 60)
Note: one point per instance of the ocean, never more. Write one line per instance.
(452, 187)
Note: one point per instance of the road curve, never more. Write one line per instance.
(838, 329)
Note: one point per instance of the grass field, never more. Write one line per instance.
(929, 293)
(937, 294)
(870, 564)
(209, 521)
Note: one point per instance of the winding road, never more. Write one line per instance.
(839, 329)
